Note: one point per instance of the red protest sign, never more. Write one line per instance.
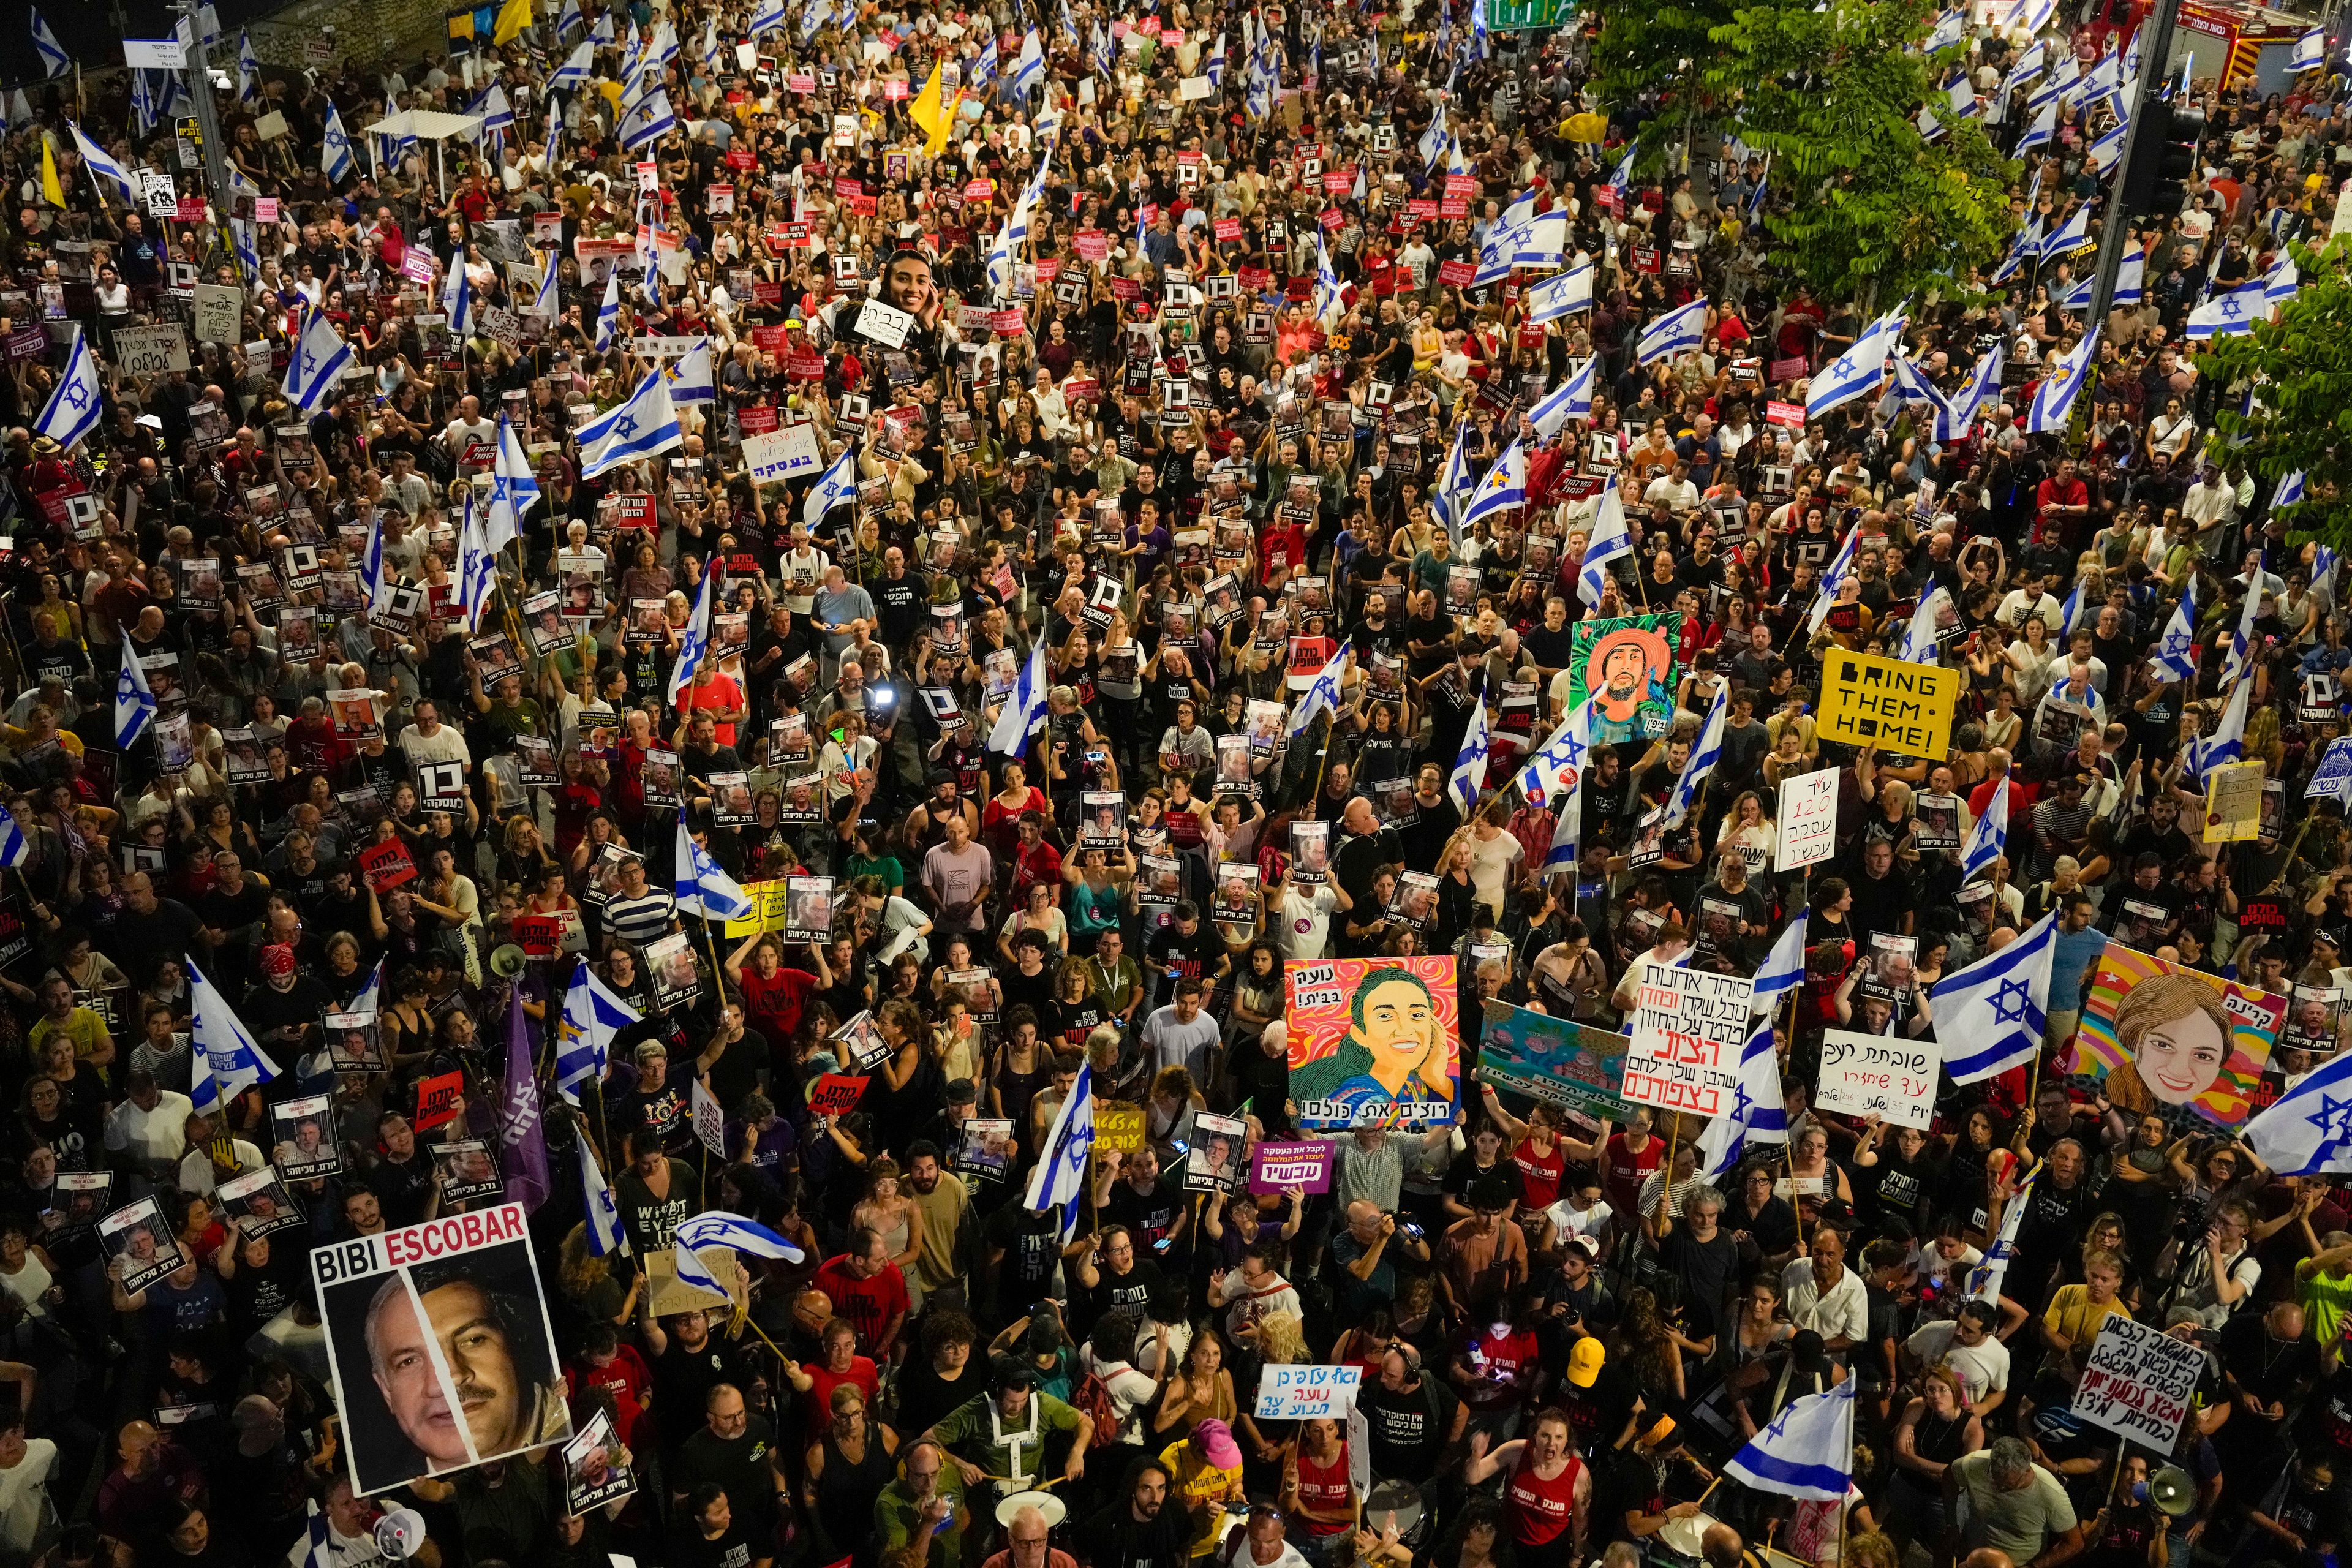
(1791, 414)
(768, 339)
(436, 1100)
(1228, 230)
(539, 936)
(756, 420)
(1456, 274)
(805, 365)
(836, 1094)
(386, 865)
(1454, 207)
(741, 158)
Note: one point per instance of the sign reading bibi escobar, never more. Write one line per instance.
(1902, 709)
(1689, 1027)
(438, 1339)
(1374, 1042)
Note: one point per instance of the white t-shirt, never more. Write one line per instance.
(157, 1135)
(1306, 920)
(24, 1494)
(1983, 1369)
(1130, 1393)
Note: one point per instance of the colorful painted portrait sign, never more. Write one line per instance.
(1374, 1042)
(2185, 1045)
(1627, 662)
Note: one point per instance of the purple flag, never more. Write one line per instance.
(522, 1139)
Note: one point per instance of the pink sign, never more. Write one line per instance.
(1792, 414)
(1305, 1163)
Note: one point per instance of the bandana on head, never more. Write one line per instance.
(277, 960)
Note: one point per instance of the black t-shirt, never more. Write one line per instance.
(1188, 956)
(683, 1379)
(689, 1548)
(1031, 1245)
(1408, 1429)
(1132, 1288)
(1115, 1538)
(740, 1465)
(1600, 1413)
(140, 942)
(1707, 1268)
(736, 1073)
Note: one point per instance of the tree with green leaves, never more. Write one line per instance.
(1876, 213)
(2299, 368)
(1661, 50)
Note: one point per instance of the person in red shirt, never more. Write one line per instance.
(773, 994)
(2062, 505)
(867, 1290)
(815, 1381)
(717, 693)
(607, 1364)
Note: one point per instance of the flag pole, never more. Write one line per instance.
(1788, 1146)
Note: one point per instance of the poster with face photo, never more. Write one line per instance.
(200, 583)
(243, 757)
(1102, 823)
(175, 747)
(535, 761)
(298, 632)
(1310, 853)
(302, 1135)
(353, 1043)
(984, 1148)
(1236, 900)
(1394, 801)
(1158, 881)
(542, 621)
(677, 976)
(1414, 902)
(1234, 774)
(975, 989)
(1216, 1162)
(804, 800)
(731, 799)
(661, 781)
(595, 1468)
(354, 714)
(76, 1199)
(2177, 1043)
(258, 1201)
(789, 741)
(1935, 821)
(2312, 1019)
(467, 1170)
(138, 1245)
(1262, 722)
(808, 909)
(496, 657)
(861, 1044)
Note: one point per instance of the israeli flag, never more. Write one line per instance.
(2290, 493)
(1950, 29)
(2108, 150)
(134, 703)
(233, 1059)
(1029, 64)
(1989, 836)
(1621, 179)
(1214, 68)
(691, 377)
(701, 888)
(1445, 498)
(1609, 539)
(2227, 743)
(545, 303)
(2308, 1130)
(647, 122)
(1504, 488)
(1330, 295)
(105, 168)
(593, 1016)
(1061, 1177)
(1574, 400)
(457, 299)
(143, 103)
(336, 160)
(1990, 1015)
(2072, 235)
(1559, 757)
(2242, 637)
(1840, 567)
(2230, 314)
(55, 61)
(318, 362)
(1024, 708)
(1469, 775)
(2175, 657)
(248, 68)
(72, 410)
(1807, 1452)
(2322, 566)
(2131, 277)
(1705, 752)
(984, 68)
(375, 582)
(2054, 400)
(1783, 969)
(1919, 644)
(2043, 130)
(766, 17)
(2070, 614)
(477, 569)
(718, 1228)
(1985, 1279)
(1857, 371)
(1560, 854)
(664, 47)
(2025, 247)
(608, 314)
(1676, 331)
(1562, 295)
(2310, 51)
(1322, 693)
(14, 850)
(498, 114)
(1759, 1110)
(693, 644)
(573, 73)
(837, 486)
(602, 33)
(644, 425)
(2283, 280)
(606, 1235)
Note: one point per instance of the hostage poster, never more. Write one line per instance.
(1374, 1042)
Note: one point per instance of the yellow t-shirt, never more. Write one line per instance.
(1205, 1486)
(2075, 1318)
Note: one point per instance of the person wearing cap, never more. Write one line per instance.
(1014, 1436)
(1205, 1470)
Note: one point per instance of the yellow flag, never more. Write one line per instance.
(461, 26)
(926, 110)
(513, 17)
(52, 191)
(946, 127)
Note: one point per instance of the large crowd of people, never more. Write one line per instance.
(1145, 367)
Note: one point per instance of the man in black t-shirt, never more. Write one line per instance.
(1145, 1529)
(1112, 1272)
(1413, 1417)
(1024, 1245)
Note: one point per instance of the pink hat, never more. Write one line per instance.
(1216, 1441)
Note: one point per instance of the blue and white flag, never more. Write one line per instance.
(2284, 279)
(719, 1228)
(2290, 493)
(1561, 855)
(837, 486)
(603, 32)
(1676, 331)
(370, 995)
(1321, 696)
(2131, 277)
(2307, 1131)
(693, 644)
(1468, 779)
(2054, 400)
(644, 425)
(1989, 836)
(248, 68)
(1446, 497)
(701, 888)
(1783, 969)
(573, 73)
(1705, 752)
(1841, 568)
(74, 405)
(2228, 315)
(1985, 1279)
(1060, 1176)
(1024, 707)
(766, 17)
(143, 105)
(647, 120)
(336, 160)
(2310, 51)
(2227, 743)
(477, 568)
(55, 61)
(1029, 64)
(1560, 759)
(546, 303)
(2323, 568)
(319, 358)
(375, 583)
(608, 314)
(104, 169)
(2070, 236)
(663, 47)
(233, 1060)
(1504, 488)
(1857, 371)
(1609, 539)
(2108, 150)
(1215, 66)
(457, 299)
(1572, 401)
(593, 1015)
(1919, 643)
(2242, 635)
(1758, 1112)
(691, 378)
(2041, 132)
(317, 1552)
(498, 114)
(606, 1235)
(1562, 294)
(134, 703)
(2175, 655)
(14, 850)
(1807, 1452)
(1950, 29)
(1990, 1016)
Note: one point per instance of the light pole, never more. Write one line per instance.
(213, 155)
(2117, 222)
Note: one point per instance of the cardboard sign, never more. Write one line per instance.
(838, 1094)
(1901, 709)
(1885, 1075)
(436, 1100)
(2138, 1383)
(1689, 1027)
(386, 865)
(1306, 1392)
(1305, 1163)
(2233, 804)
(1119, 1127)
(151, 350)
(1807, 820)
(219, 313)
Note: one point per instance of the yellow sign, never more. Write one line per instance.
(1901, 709)
(1119, 1127)
(2233, 804)
(767, 916)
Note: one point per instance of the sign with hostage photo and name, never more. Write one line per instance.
(1689, 1027)
(438, 1342)
(1374, 1042)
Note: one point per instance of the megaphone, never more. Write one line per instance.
(399, 1533)
(507, 961)
(2173, 1491)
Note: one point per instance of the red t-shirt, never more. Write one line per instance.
(816, 1404)
(1625, 1171)
(1508, 1364)
(774, 1004)
(719, 695)
(868, 1304)
(1538, 1509)
(626, 1376)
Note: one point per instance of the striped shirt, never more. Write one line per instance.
(640, 920)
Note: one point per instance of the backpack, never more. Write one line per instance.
(1091, 1399)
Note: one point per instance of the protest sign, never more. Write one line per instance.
(1807, 822)
(985, 1149)
(1213, 1162)
(386, 865)
(138, 1243)
(1689, 1027)
(2233, 804)
(436, 1100)
(1887, 1076)
(1119, 1127)
(594, 1471)
(1373, 1042)
(2161, 1038)
(1903, 710)
(836, 1094)
(2138, 1383)
(258, 1201)
(1305, 1163)
(219, 313)
(776, 456)
(1626, 664)
(2331, 780)
(1306, 1392)
(1553, 1060)
(303, 1138)
(406, 1313)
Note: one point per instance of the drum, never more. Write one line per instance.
(1401, 1498)
(1046, 1503)
(1682, 1536)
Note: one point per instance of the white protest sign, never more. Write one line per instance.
(1884, 1075)
(884, 324)
(771, 457)
(1689, 1027)
(2138, 1383)
(150, 351)
(219, 313)
(1360, 1452)
(162, 200)
(1808, 820)
(1192, 88)
(1303, 1392)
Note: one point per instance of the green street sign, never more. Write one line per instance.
(1524, 15)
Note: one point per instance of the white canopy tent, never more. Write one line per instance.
(426, 125)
